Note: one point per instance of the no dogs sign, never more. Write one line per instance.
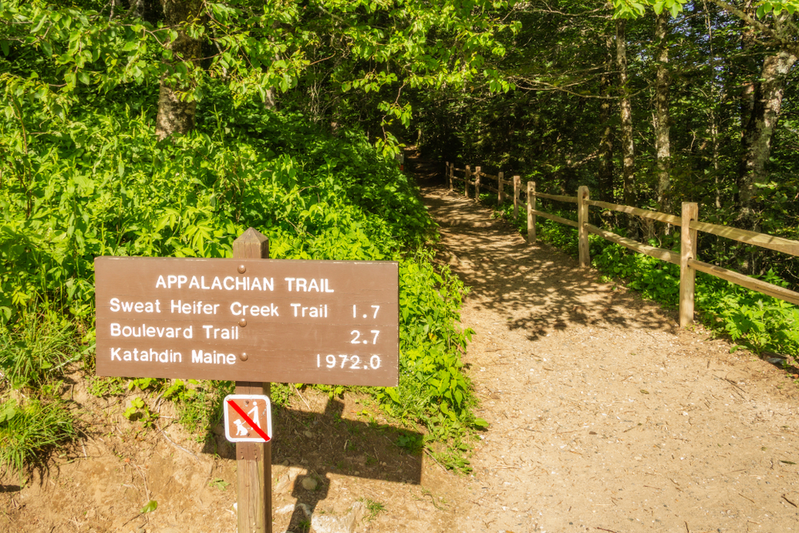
(248, 418)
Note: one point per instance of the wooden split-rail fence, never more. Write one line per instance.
(688, 223)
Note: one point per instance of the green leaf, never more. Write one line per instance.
(480, 423)
(392, 393)
(8, 410)
(151, 506)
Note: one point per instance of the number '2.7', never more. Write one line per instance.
(331, 361)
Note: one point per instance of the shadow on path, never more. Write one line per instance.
(538, 288)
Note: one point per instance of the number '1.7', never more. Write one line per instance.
(331, 361)
(365, 315)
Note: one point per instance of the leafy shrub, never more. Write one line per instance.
(96, 182)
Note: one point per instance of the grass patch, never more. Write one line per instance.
(30, 429)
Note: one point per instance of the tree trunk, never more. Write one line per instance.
(662, 143)
(768, 93)
(175, 112)
(605, 177)
(627, 140)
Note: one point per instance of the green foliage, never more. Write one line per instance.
(38, 346)
(30, 428)
(219, 483)
(373, 507)
(97, 183)
(653, 278)
(140, 411)
(759, 322)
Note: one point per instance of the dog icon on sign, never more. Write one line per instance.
(241, 431)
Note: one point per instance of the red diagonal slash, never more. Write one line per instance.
(247, 419)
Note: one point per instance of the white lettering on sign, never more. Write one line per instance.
(239, 309)
(118, 305)
(303, 285)
(212, 358)
(144, 330)
(311, 312)
(354, 361)
(147, 355)
(228, 283)
(221, 333)
(193, 308)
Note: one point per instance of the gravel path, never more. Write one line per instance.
(604, 415)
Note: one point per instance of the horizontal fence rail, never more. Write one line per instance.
(689, 227)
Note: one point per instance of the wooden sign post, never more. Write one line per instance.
(252, 320)
(253, 461)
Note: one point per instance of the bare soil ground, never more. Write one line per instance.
(604, 417)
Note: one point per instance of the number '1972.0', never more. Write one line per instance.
(354, 360)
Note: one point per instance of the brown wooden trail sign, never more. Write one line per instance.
(330, 322)
(251, 320)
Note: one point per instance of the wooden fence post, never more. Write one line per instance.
(690, 211)
(517, 180)
(477, 184)
(449, 176)
(530, 209)
(253, 460)
(582, 229)
(468, 179)
(500, 188)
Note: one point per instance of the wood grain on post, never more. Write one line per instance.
(450, 174)
(477, 183)
(468, 179)
(690, 211)
(517, 180)
(500, 188)
(253, 460)
(530, 209)
(582, 230)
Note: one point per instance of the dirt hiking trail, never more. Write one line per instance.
(604, 415)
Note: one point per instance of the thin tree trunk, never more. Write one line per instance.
(627, 141)
(748, 42)
(715, 97)
(757, 136)
(662, 119)
(176, 113)
(606, 140)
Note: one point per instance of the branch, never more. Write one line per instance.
(741, 14)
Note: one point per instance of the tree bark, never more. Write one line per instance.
(768, 93)
(662, 119)
(176, 113)
(605, 177)
(627, 140)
